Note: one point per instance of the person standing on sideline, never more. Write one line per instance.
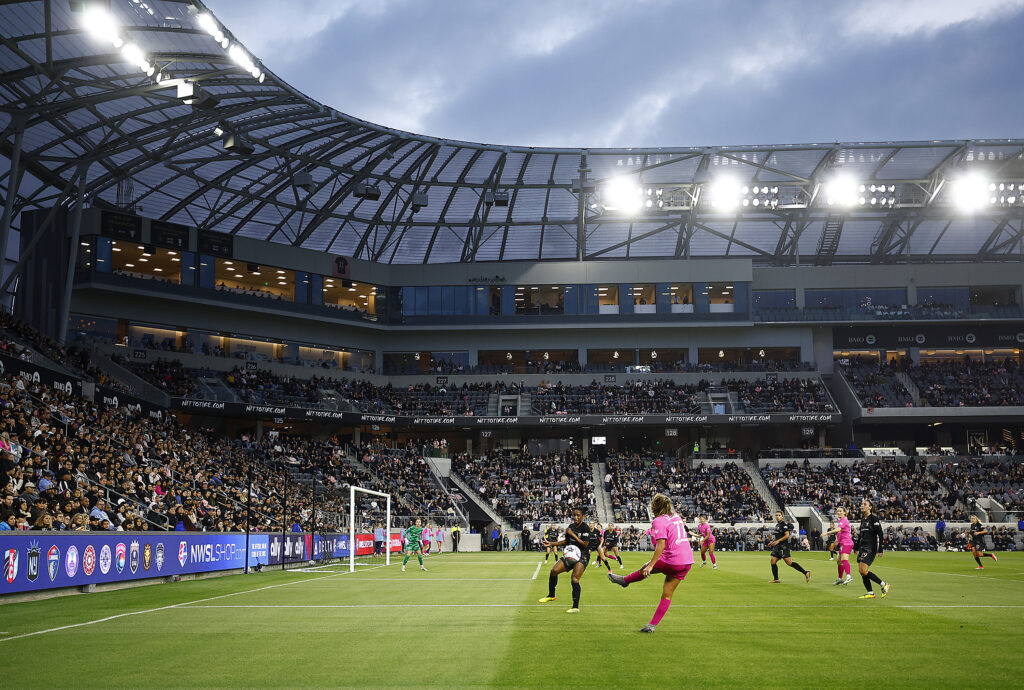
(456, 535)
(378, 540)
(940, 531)
(496, 538)
(524, 539)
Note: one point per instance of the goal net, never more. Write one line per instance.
(370, 538)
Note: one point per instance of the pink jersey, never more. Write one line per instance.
(844, 537)
(677, 544)
(705, 532)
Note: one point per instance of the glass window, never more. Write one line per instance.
(774, 299)
(856, 300)
(145, 262)
(251, 279)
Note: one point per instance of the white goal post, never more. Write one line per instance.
(352, 543)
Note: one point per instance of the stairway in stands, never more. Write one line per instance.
(758, 482)
(605, 513)
(479, 501)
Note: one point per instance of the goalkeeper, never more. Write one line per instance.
(413, 537)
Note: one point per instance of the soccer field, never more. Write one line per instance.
(474, 620)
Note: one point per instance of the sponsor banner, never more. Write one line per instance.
(42, 560)
(32, 373)
(949, 335)
(303, 414)
(291, 545)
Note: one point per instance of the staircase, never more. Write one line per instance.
(492, 404)
(908, 383)
(480, 502)
(605, 512)
(829, 242)
(720, 396)
(214, 388)
(758, 482)
(525, 404)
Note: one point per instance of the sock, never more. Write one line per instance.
(840, 568)
(703, 557)
(546, 557)
(867, 583)
(406, 560)
(619, 559)
(775, 571)
(634, 577)
(796, 567)
(990, 555)
(846, 567)
(419, 557)
(552, 582)
(576, 589)
(874, 578)
(713, 561)
(661, 611)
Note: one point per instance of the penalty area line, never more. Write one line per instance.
(537, 571)
(601, 606)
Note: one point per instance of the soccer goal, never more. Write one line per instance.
(369, 528)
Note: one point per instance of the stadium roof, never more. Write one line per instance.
(80, 100)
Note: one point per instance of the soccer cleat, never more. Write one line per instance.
(703, 563)
(993, 557)
(774, 582)
(838, 581)
(714, 567)
(572, 610)
(621, 566)
(807, 576)
(423, 568)
(848, 580)
(885, 588)
(618, 579)
(545, 600)
(980, 567)
(647, 628)
(869, 595)
(403, 568)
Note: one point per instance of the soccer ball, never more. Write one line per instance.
(571, 554)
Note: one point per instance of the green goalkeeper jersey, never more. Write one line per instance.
(414, 537)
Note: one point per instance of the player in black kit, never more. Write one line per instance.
(610, 545)
(869, 545)
(780, 548)
(977, 531)
(550, 534)
(580, 535)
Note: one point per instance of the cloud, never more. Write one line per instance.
(886, 19)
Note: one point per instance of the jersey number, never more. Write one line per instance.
(679, 533)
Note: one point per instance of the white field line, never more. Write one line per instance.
(159, 608)
(535, 572)
(602, 606)
(883, 566)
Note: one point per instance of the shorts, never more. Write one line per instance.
(866, 556)
(710, 541)
(978, 544)
(781, 551)
(677, 571)
(609, 547)
(411, 548)
(584, 559)
(846, 548)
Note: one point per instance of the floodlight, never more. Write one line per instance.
(236, 144)
(419, 200)
(501, 199)
(303, 180)
(191, 94)
(724, 193)
(364, 190)
(622, 194)
(207, 23)
(841, 191)
(971, 192)
(101, 24)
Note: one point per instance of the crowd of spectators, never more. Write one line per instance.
(875, 383)
(265, 387)
(405, 473)
(469, 399)
(969, 480)
(781, 395)
(968, 383)
(722, 492)
(527, 488)
(635, 397)
(899, 490)
(170, 376)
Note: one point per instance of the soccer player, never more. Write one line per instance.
(550, 535)
(439, 538)
(578, 534)
(844, 539)
(780, 549)
(976, 530)
(413, 537)
(869, 545)
(428, 534)
(672, 558)
(611, 545)
(707, 543)
(833, 541)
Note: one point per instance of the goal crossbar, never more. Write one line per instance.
(352, 541)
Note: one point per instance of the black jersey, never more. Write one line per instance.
(974, 528)
(584, 533)
(595, 540)
(869, 538)
(551, 534)
(611, 538)
(781, 528)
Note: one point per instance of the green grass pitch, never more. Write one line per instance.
(474, 620)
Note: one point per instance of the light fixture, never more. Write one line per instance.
(654, 354)
(365, 190)
(724, 194)
(615, 355)
(971, 192)
(101, 24)
(721, 353)
(622, 194)
(841, 190)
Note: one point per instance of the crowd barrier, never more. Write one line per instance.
(50, 560)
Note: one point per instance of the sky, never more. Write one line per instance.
(620, 73)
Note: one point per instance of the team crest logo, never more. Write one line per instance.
(10, 565)
(133, 559)
(32, 567)
(147, 556)
(89, 560)
(160, 556)
(71, 561)
(182, 554)
(119, 556)
(105, 559)
(53, 562)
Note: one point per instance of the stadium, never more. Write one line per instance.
(294, 398)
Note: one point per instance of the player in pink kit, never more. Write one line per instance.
(844, 540)
(707, 542)
(672, 558)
